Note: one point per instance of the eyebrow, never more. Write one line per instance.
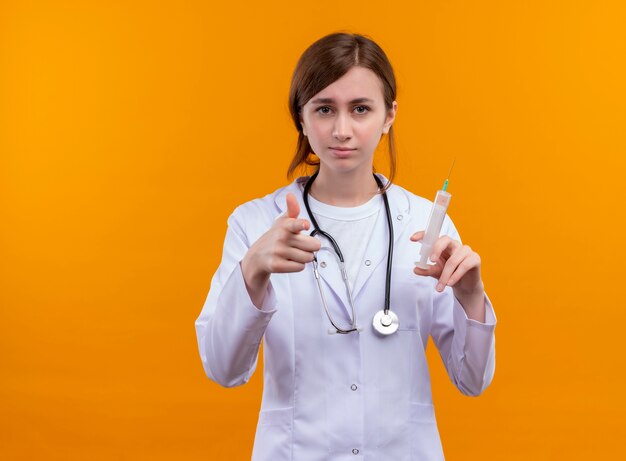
(331, 100)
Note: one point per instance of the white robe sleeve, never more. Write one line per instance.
(466, 346)
(230, 327)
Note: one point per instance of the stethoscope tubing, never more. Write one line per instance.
(316, 230)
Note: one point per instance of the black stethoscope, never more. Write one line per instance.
(385, 321)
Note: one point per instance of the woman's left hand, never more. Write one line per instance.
(456, 265)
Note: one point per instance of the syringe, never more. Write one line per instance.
(435, 221)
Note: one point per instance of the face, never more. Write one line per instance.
(345, 121)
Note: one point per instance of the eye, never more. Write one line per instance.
(361, 109)
(324, 110)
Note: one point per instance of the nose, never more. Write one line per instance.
(342, 129)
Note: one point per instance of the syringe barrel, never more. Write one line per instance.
(433, 228)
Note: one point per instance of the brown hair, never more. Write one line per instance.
(324, 62)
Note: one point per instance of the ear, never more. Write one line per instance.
(391, 116)
(302, 124)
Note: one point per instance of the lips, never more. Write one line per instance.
(341, 152)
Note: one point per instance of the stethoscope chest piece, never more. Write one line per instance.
(385, 323)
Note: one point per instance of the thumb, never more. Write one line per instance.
(293, 209)
(418, 236)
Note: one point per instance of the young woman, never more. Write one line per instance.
(323, 272)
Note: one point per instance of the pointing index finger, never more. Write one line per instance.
(297, 225)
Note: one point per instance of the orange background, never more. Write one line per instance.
(130, 130)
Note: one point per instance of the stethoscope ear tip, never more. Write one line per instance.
(333, 331)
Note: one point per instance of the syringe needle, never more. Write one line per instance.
(450, 172)
(445, 184)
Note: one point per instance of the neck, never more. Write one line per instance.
(344, 189)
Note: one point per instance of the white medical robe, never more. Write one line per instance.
(352, 397)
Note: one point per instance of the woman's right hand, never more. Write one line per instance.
(281, 249)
